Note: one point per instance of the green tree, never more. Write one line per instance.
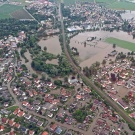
(104, 62)
(58, 82)
(114, 46)
(45, 48)
(34, 75)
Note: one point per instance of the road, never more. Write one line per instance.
(104, 96)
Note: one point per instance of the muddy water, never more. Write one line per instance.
(90, 54)
(52, 44)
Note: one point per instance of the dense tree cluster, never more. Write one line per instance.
(80, 115)
(62, 69)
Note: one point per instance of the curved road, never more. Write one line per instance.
(113, 104)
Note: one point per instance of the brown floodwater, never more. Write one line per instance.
(52, 44)
(90, 54)
(28, 64)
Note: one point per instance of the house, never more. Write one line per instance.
(47, 106)
(53, 127)
(36, 102)
(40, 123)
(24, 103)
(31, 132)
(49, 84)
(34, 120)
(17, 125)
(45, 133)
(113, 97)
(27, 116)
(132, 115)
(120, 126)
(11, 122)
(12, 133)
(72, 81)
(58, 131)
(24, 130)
(20, 114)
(122, 104)
(37, 108)
(1, 128)
(16, 111)
(4, 120)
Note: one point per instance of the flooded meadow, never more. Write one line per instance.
(91, 53)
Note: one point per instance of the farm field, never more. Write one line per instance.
(7, 9)
(21, 14)
(121, 43)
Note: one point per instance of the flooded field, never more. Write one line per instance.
(90, 54)
(52, 44)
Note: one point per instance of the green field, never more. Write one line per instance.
(121, 43)
(7, 9)
(113, 4)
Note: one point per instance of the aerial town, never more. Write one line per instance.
(66, 69)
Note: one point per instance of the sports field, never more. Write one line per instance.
(121, 43)
(7, 9)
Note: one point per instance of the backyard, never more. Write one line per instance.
(121, 43)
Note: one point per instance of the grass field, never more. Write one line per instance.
(7, 9)
(121, 43)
